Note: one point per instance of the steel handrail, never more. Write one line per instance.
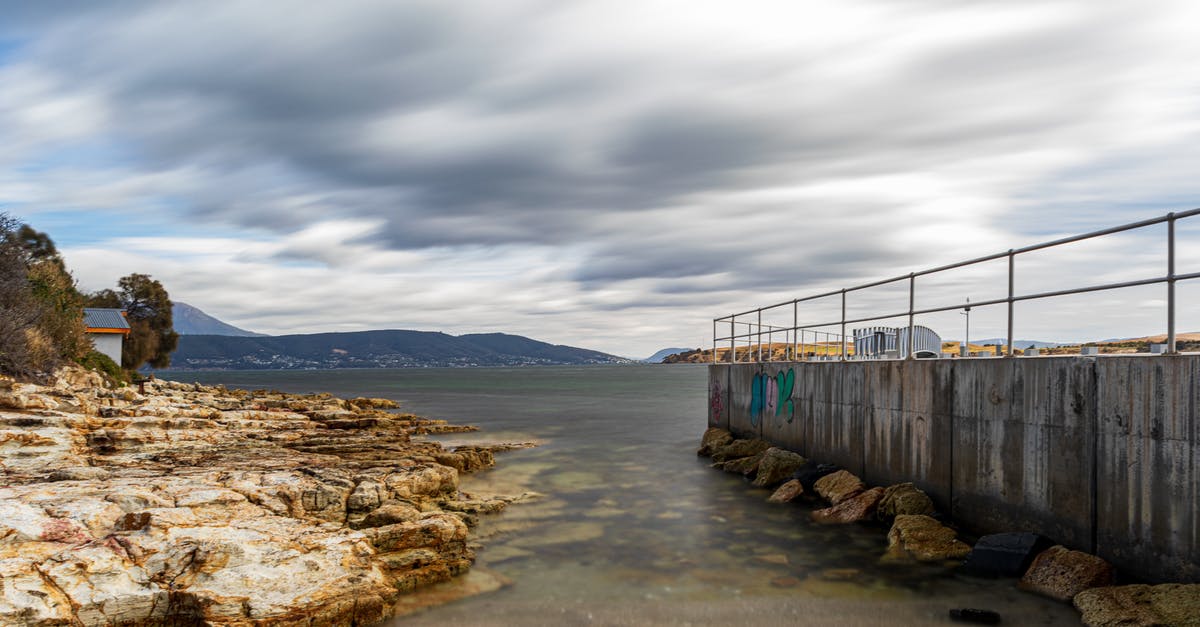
(1170, 279)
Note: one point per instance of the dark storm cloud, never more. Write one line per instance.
(725, 152)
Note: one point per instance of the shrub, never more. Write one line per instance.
(95, 360)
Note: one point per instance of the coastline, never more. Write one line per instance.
(199, 504)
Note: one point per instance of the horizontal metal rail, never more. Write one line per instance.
(795, 334)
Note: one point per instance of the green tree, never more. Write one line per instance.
(41, 317)
(148, 309)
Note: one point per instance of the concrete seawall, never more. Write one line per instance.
(1099, 454)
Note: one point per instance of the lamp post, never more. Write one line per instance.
(965, 349)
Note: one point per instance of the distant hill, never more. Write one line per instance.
(190, 320)
(658, 357)
(374, 349)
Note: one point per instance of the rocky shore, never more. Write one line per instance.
(917, 533)
(185, 504)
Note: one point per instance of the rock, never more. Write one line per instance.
(1060, 573)
(1138, 605)
(712, 440)
(808, 474)
(740, 448)
(745, 466)
(191, 504)
(776, 466)
(390, 513)
(838, 486)
(921, 538)
(854, 509)
(787, 492)
(972, 615)
(904, 498)
(1004, 554)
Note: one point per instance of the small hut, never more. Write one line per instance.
(107, 328)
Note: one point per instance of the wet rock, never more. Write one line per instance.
(776, 466)
(745, 466)
(1004, 554)
(787, 492)
(1140, 605)
(713, 440)
(740, 448)
(904, 498)
(976, 616)
(809, 473)
(921, 538)
(1060, 573)
(838, 486)
(854, 509)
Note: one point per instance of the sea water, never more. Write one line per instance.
(632, 527)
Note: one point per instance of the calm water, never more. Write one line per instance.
(634, 528)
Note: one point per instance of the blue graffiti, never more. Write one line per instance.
(771, 395)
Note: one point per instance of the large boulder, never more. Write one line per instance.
(1166, 604)
(787, 492)
(904, 498)
(839, 486)
(713, 439)
(1060, 573)
(776, 466)
(854, 509)
(740, 448)
(921, 538)
(1005, 554)
(745, 466)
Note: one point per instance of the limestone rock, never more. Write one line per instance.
(713, 440)
(1060, 573)
(1140, 605)
(787, 492)
(191, 504)
(904, 498)
(745, 466)
(838, 486)
(921, 538)
(740, 448)
(776, 466)
(854, 509)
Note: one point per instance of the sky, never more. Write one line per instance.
(610, 175)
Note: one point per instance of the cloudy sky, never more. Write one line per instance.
(605, 174)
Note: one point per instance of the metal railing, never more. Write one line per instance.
(795, 334)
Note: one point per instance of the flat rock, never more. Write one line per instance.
(854, 509)
(787, 492)
(838, 486)
(1060, 573)
(921, 538)
(776, 466)
(904, 498)
(1140, 605)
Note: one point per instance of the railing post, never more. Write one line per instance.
(1011, 261)
(795, 328)
(714, 342)
(843, 354)
(912, 306)
(732, 340)
(1171, 283)
(759, 331)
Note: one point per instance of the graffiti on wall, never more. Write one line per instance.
(772, 396)
(716, 402)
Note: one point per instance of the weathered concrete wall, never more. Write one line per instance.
(1100, 454)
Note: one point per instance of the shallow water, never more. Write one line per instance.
(634, 528)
